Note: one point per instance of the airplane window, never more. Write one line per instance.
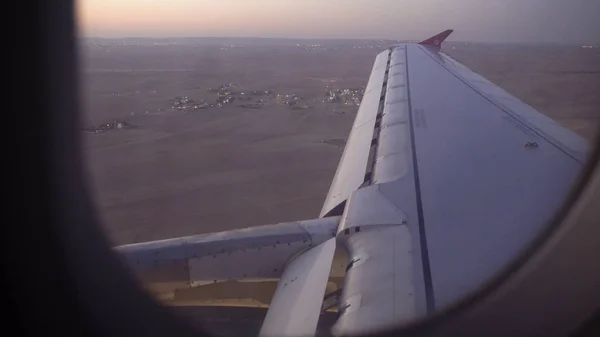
(288, 167)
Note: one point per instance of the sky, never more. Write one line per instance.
(546, 21)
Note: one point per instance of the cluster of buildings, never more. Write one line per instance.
(337, 46)
(292, 100)
(346, 96)
(248, 99)
(116, 124)
(228, 93)
(180, 103)
(184, 103)
(254, 99)
(225, 94)
(223, 99)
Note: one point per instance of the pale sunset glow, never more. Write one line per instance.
(476, 20)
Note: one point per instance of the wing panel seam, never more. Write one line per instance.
(429, 298)
(507, 111)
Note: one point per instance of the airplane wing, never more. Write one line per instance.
(444, 179)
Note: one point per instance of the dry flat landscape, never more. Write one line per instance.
(177, 158)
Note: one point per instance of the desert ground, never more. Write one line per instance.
(174, 161)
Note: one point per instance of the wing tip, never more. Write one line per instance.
(437, 40)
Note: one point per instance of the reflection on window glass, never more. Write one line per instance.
(400, 176)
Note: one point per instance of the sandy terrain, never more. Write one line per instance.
(179, 173)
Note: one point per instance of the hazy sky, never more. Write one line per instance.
(576, 21)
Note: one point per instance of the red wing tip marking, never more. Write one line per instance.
(437, 39)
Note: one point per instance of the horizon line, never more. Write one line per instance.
(578, 43)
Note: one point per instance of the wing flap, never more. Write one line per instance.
(246, 254)
(296, 305)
